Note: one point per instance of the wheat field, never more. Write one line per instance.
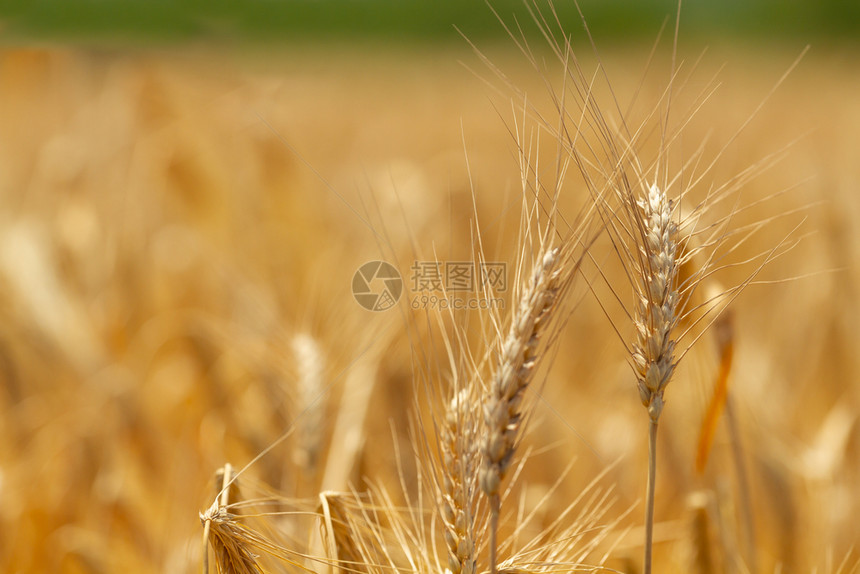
(180, 235)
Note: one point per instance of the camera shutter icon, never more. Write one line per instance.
(377, 286)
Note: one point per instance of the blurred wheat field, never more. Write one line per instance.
(180, 232)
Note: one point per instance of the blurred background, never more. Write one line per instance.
(317, 21)
(187, 188)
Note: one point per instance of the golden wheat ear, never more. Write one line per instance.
(250, 535)
(229, 543)
(519, 354)
(310, 404)
(460, 461)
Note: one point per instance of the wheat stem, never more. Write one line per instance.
(495, 506)
(206, 526)
(649, 504)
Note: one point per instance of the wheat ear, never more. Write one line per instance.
(229, 542)
(459, 463)
(516, 367)
(311, 406)
(657, 308)
(656, 318)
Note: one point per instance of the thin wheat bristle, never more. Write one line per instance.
(459, 463)
(502, 408)
(657, 308)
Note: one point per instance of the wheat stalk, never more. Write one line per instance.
(341, 546)
(368, 532)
